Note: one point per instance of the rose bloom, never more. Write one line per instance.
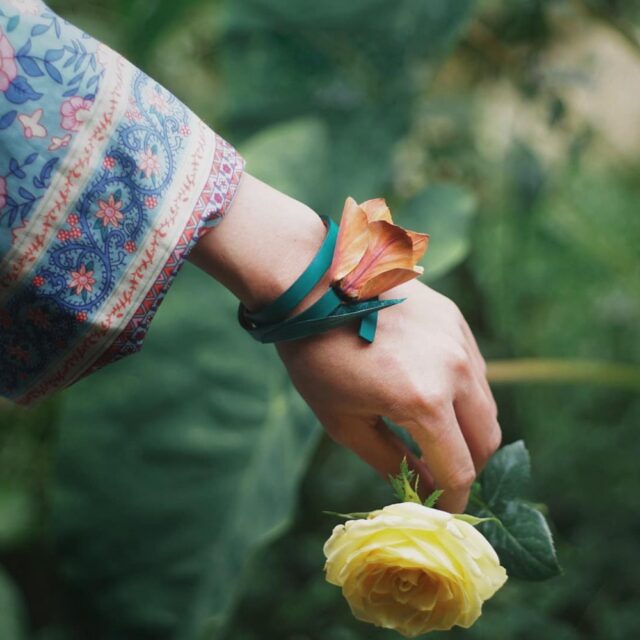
(413, 569)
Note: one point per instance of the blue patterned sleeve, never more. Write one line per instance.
(106, 182)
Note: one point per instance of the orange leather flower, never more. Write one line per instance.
(372, 254)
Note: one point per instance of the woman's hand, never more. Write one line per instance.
(424, 372)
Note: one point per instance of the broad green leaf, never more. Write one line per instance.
(522, 540)
(148, 22)
(336, 60)
(309, 12)
(173, 467)
(17, 515)
(508, 474)
(445, 212)
(291, 157)
(517, 530)
(12, 625)
(361, 153)
(358, 67)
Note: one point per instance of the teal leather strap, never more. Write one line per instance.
(343, 314)
(280, 308)
(270, 324)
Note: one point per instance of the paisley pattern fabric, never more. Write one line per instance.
(106, 182)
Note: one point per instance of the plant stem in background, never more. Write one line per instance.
(559, 370)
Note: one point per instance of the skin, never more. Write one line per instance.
(424, 370)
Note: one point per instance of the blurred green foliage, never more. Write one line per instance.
(151, 500)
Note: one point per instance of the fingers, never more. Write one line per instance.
(478, 363)
(478, 422)
(476, 407)
(376, 444)
(445, 452)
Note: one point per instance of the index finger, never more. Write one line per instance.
(446, 455)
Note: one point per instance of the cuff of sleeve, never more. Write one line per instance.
(214, 201)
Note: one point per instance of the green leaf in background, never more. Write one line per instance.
(362, 145)
(12, 625)
(508, 474)
(520, 536)
(18, 515)
(173, 468)
(358, 67)
(291, 157)
(445, 212)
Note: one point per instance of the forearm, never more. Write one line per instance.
(262, 245)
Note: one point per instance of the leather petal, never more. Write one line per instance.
(376, 209)
(420, 244)
(390, 247)
(385, 281)
(353, 237)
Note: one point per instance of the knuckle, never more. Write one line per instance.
(461, 479)
(460, 363)
(433, 404)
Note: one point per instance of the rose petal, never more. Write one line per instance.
(351, 243)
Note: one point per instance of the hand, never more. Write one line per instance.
(424, 372)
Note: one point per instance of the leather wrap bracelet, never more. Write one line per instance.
(270, 324)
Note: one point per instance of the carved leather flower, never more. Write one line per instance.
(372, 254)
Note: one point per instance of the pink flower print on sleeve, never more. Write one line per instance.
(158, 101)
(8, 67)
(82, 280)
(74, 112)
(31, 124)
(148, 163)
(26, 7)
(59, 143)
(109, 212)
(3, 192)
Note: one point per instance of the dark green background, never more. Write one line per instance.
(178, 494)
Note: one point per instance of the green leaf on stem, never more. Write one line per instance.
(356, 515)
(473, 520)
(515, 528)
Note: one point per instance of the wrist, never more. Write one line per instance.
(264, 242)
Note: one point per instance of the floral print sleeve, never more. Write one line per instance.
(106, 182)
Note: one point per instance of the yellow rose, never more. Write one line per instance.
(413, 569)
